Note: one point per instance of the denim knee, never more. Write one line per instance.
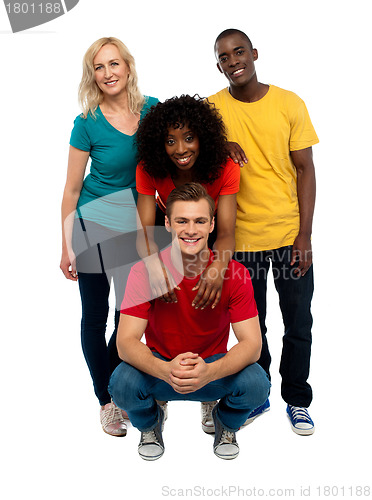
(119, 384)
(252, 384)
(125, 386)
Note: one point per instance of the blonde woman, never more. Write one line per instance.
(99, 212)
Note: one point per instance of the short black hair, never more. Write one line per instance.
(232, 31)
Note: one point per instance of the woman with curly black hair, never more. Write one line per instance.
(183, 140)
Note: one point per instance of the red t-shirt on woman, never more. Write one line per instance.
(227, 183)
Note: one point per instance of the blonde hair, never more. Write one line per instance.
(90, 95)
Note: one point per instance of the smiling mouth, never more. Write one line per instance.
(191, 241)
(184, 160)
(237, 72)
(112, 83)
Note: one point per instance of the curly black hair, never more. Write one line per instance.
(202, 119)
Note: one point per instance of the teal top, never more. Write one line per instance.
(108, 196)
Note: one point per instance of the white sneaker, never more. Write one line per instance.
(112, 420)
(206, 416)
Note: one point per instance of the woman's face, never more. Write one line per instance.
(182, 147)
(111, 71)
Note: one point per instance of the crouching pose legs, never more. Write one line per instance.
(185, 356)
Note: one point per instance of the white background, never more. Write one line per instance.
(51, 441)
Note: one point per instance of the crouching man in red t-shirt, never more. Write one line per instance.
(185, 356)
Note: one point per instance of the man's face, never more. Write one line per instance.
(236, 59)
(191, 222)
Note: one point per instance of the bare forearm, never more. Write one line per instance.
(303, 162)
(77, 162)
(137, 354)
(238, 357)
(306, 188)
(146, 245)
(224, 249)
(146, 210)
(69, 203)
(197, 373)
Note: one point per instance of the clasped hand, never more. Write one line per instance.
(188, 372)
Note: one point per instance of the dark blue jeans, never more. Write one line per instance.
(102, 257)
(239, 394)
(101, 358)
(295, 294)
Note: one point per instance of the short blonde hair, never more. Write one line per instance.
(90, 95)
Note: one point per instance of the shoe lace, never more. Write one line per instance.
(300, 413)
(207, 409)
(227, 437)
(112, 414)
(149, 437)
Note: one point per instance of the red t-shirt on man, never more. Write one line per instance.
(175, 328)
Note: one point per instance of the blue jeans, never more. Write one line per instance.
(102, 256)
(101, 358)
(295, 294)
(239, 394)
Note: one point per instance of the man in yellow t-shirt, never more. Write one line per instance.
(272, 127)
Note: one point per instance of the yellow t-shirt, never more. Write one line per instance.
(267, 130)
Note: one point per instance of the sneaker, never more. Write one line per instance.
(151, 445)
(206, 416)
(112, 420)
(300, 420)
(225, 445)
(257, 412)
(164, 405)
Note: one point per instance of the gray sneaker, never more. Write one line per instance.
(225, 445)
(151, 445)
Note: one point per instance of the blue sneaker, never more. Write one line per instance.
(300, 420)
(257, 412)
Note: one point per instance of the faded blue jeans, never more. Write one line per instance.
(136, 393)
